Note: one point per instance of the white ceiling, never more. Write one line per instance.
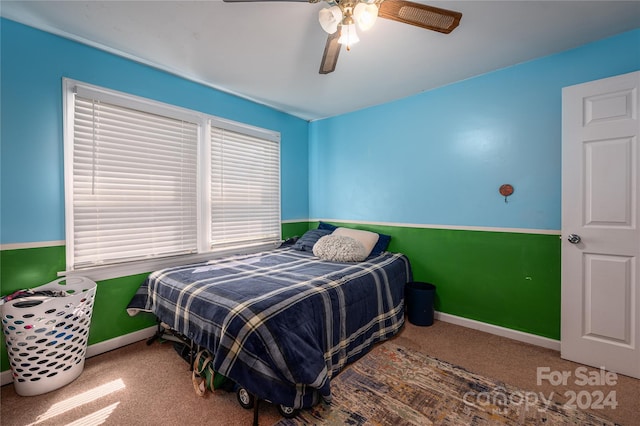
(270, 51)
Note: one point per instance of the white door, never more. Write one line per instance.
(600, 207)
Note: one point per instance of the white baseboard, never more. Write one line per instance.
(520, 336)
(120, 341)
(100, 348)
(6, 378)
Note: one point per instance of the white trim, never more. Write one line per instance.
(451, 227)
(68, 114)
(520, 336)
(100, 348)
(86, 90)
(39, 244)
(6, 378)
(120, 341)
(101, 273)
(15, 246)
(247, 129)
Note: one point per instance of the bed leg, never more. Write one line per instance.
(156, 336)
(255, 410)
(191, 360)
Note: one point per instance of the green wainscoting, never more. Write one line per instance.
(506, 279)
(26, 268)
(294, 229)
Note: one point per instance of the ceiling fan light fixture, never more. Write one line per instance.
(365, 14)
(341, 17)
(330, 18)
(348, 35)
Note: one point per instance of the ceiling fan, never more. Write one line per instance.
(342, 17)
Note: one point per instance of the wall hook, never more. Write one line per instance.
(506, 190)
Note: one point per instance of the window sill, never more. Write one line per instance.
(100, 273)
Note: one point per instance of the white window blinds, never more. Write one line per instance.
(150, 185)
(245, 187)
(134, 184)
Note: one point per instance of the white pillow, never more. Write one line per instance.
(339, 248)
(367, 238)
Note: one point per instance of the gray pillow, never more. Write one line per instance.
(307, 241)
(340, 248)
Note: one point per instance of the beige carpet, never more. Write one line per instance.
(150, 385)
(135, 385)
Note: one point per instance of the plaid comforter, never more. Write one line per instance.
(281, 323)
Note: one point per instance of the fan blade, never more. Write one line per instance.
(420, 15)
(330, 55)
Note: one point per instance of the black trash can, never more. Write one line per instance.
(419, 302)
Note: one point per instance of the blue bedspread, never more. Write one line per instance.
(281, 323)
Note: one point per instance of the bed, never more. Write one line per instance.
(281, 323)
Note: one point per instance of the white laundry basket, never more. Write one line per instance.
(46, 337)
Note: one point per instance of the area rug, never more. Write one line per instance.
(393, 385)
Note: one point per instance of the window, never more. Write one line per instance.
(245, 187)
(147, 181)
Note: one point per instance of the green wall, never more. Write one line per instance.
(507, 279)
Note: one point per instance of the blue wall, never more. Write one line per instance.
(32, 67)
(439, 157)
(434, 158)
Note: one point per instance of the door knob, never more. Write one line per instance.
(574, 238)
